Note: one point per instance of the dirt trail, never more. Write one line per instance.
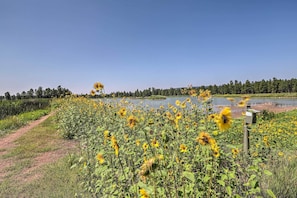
(28, 174)
(8, 141)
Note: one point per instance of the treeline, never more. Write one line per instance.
(233, 87)
(38, 93)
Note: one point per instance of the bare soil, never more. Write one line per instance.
(271, 107)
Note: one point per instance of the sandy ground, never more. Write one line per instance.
(237, 112)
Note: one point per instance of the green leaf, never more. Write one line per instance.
(189, 176)
(252, 177)
(267, 172)
(224, 177)
(270, 193)
(221, 182)
(229, 190)
(206, 178)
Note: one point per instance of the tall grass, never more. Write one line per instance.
(14, 107)
(14, 122)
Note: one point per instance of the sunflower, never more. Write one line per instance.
(245, 97)
(235, 152)
(106, 134)
(224, 120)
(178, 115)
(92, 93)
(203, 138)
(137, 142)
(212, 117)
(230, 99)
(204, 94)
(183, 148)
(216, 152)
(145, 146)
(115, 145)
(98, 86)
(177, 102)
(183, 104)
(193, 92)
(155, 143)
(100, 158)
(241, 103)
(132, 121)
(122, 112)
(143, 193)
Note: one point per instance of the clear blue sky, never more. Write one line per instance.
(137, 44)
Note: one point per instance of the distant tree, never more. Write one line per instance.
(39, 92)
(7, 96)
(18, 96)
(30, 93)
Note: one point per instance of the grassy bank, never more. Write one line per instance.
(264, 95)
(14, 122)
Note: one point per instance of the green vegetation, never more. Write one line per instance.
(53, 180)
(154, 97)
(262, 95)
(14, 122)
(60, 92)
(184, 151)
(10, 108)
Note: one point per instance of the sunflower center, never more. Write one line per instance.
(225, 119)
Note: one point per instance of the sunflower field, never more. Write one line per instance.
(180, 150)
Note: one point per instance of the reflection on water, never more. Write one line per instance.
(216, 101)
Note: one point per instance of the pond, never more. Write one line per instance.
(216, 101)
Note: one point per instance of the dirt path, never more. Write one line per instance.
(30, 173)
(7, 142)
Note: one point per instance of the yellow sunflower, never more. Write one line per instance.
(203, 138)
(115, 145)
(241, 103)
(145, 146)
(122, 112)
(178, 115)
(92, 93)
(131, 121)
(100, 158)
(224, 119)
(204, 95)
(143, 193)
(155, 143)
(183, 148)
(98, 86)
(235, 152)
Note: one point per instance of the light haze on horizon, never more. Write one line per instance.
(137, 44)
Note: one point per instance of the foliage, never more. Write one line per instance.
(177, 151)
(10, 108)
(38, 93)
(14, 122)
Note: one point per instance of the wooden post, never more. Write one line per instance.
(246, 141)
(246, 133)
